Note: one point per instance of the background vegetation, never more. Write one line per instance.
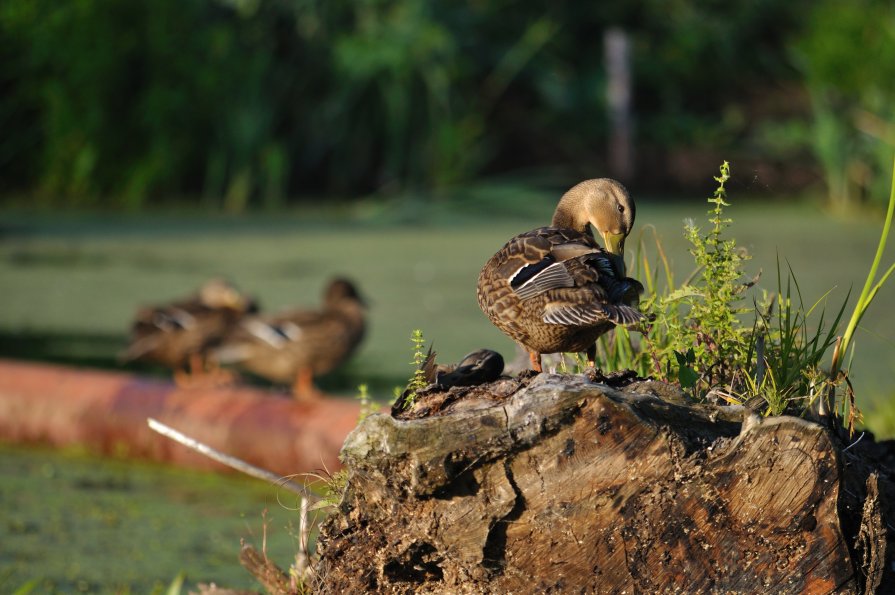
(240, 103)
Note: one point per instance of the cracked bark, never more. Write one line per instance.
(567, 485)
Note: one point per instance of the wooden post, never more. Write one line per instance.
(618, 98)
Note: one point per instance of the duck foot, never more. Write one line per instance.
(614, 379)
(303, 388)
(594, 374)
(214, 378)
(202, 375)
(527, 374)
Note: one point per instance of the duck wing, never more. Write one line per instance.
(573, 277)
(169, 327)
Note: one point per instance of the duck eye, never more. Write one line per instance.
(621, 208)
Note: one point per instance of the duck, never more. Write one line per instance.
(555, 289)
(295, 346)
(477, 367)
(178, 335)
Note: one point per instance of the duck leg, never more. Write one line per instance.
(191, 374)
(591, 355)
(197, 366)
(182, 378)
(218, 376)
(201, 374)
(303, 388)
(535, 358)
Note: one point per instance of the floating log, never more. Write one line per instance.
(107, 412)
(573, 486)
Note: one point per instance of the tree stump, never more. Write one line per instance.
(566, 485)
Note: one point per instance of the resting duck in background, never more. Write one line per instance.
(554, 289)
(178, 335)
(293, 347)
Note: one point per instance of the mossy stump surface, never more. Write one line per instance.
(566, 485)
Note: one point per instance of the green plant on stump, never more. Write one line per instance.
(710, 343)
(707, 338)
(418, 380)
(697, 339)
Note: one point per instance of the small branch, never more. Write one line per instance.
(265, 571)
(828, 394)
(302, 558)
(230, 461)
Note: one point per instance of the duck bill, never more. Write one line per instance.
(614, 242)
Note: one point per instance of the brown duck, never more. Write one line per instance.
(555, 289)
(293, 347)
(477, 367)
(178, 335)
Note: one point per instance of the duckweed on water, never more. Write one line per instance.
(79, 524)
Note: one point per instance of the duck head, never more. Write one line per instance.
(603, 203)
(340, 289)
(220, 293)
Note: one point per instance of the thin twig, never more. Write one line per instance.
(760, 363)
(829, 393)
(304, 531)
(230, 461)
(853, 443)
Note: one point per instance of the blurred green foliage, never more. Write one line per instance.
(245, 102)
(847, 55)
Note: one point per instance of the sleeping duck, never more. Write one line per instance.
(555, 289)
(477, 367)
(177, 335)
(295, 346)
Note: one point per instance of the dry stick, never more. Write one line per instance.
(258, 569)
(228, 460)
(827, 402)
(300, 566)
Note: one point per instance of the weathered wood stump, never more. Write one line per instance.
(571, 486)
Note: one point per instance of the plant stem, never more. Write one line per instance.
(870, 285)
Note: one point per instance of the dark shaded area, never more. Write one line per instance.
(95, 350)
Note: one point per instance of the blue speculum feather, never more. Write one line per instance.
(280, 331)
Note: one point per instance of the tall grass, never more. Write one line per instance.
(868, 293)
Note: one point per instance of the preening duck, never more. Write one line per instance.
(555, 289)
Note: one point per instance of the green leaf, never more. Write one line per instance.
(27, 587)
(687, 376)
(686, 291)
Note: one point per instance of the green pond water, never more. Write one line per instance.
(73, 523)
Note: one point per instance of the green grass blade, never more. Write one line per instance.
(863, 303)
